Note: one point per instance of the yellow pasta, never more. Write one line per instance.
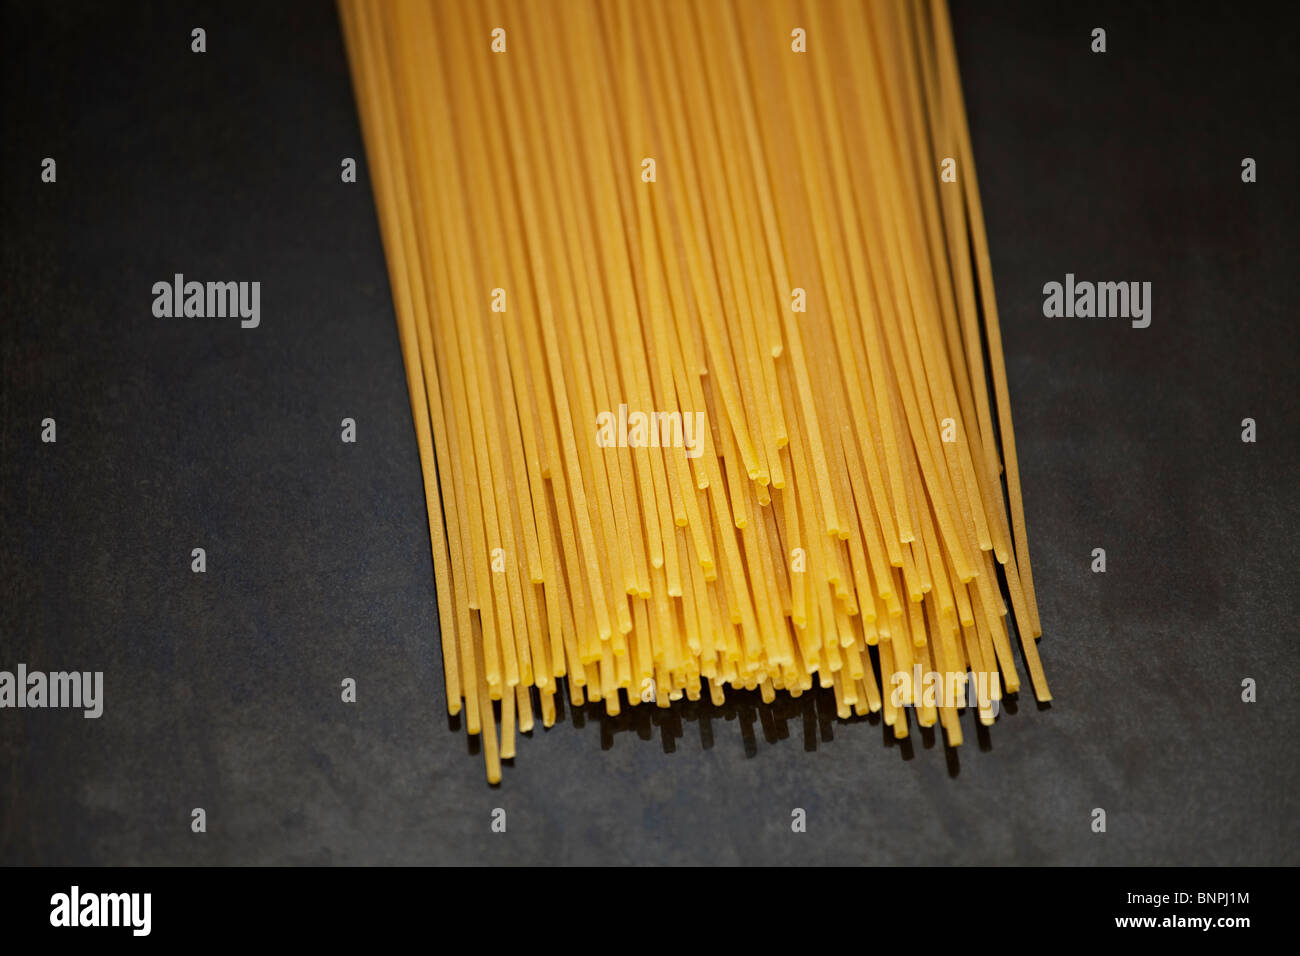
(697, 316)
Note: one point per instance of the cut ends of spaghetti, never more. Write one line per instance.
(697, 316)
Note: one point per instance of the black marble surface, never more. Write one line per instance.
(222, 688)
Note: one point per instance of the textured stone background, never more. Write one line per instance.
(222, 689)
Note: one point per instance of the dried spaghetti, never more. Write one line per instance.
(698, 322)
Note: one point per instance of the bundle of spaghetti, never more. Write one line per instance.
(755, 215)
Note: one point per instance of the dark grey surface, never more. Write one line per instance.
(222, 689)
